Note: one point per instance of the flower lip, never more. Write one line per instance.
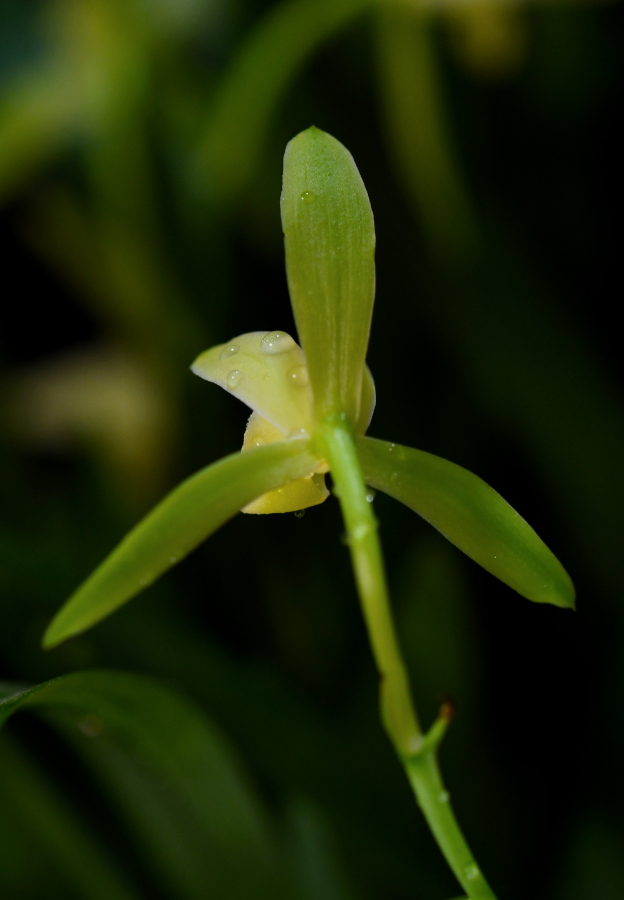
(267, 370)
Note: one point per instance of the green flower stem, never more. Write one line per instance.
(424, 775)
(417, 751)
(397, 709)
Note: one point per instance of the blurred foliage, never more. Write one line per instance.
(140, 163)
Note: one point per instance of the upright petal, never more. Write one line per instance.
(330, 244)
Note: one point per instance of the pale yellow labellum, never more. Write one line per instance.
(299, 494)
(268, 372)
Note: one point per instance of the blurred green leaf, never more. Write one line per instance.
(329, 237)
(39, 113)
(172, 775)
(594, 865)
(318, 873)
(256, 81)
(419, 134)
(59, 848)
(471, 515)
(188, 515)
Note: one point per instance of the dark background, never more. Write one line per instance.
(140, 166)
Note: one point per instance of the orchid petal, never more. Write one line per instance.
(330, 243)
(268, 372)
(471, 515)
(190, 514)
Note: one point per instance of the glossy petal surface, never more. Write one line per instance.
(268, 372)
(471, 515)
(330, 243)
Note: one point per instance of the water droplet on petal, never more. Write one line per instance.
(471, 872)
(298, 376)
(229, 351)
(308, 197)
(444, 797)
(391, 447)
(173, 559)
(370, 496)
(233, 378)
(276, 342)
(300, 513)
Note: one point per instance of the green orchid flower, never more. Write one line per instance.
(311, 406)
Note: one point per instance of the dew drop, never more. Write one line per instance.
(173, 559)
(229, 351)
(300, 513)
(371, 495)
(471, 872)
(308, 197)
(444, 797)
(276, 342)
(391, 447)
(233, 378)
(298, 376)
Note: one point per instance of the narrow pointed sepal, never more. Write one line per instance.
(470, 514)
(187, 516)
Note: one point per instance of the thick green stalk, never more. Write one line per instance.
(417, 751)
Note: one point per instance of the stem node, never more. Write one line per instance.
(417, 751)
